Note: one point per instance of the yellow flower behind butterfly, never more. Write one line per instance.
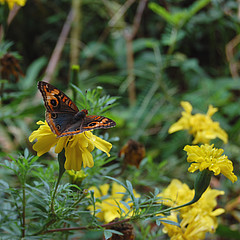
(201, 126)
(12, 2)
(111, 205)
(78, 147)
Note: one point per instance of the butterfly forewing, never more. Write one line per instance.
(55, 100)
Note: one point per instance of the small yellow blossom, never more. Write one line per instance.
(78, 147)
(201, 126)
(111, 205)
(195, 220)
(77, 176)
(208, 157)
(12, 2)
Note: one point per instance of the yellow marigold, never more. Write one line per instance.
(201, 126)
(195, 220)
(111, 205)
(176, 193)
(78, 147)
(208, 157)
(12, 2)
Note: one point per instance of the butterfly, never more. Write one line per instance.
(63, 116)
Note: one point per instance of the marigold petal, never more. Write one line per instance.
(110, 215)
(186, 106)
(87, 159)
(104, 189)
(118, 190)
(211, 110)
(45, 138)
(62, 142)
(44, 144)
(102, 145)
(178, 126)
(73, 158)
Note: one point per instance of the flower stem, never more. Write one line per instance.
(54, 194)
(61, 161)
(23, 209)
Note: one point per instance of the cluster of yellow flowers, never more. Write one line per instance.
(12, 2)
(111, 205)
(194, 220)
(201, 126)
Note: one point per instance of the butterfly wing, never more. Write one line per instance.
(89, 123)
(60, 109)
(96, 122)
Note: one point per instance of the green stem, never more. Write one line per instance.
(61, 161)
(54, 194)
(23, 208)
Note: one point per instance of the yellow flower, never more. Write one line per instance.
(195, 220)
(111, 205)
(77, 176)
(12, 2)
(208, 157)
(78, 147)
(199, 125)
(176, 193)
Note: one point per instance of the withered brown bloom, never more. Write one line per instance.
(133, 153)
(125, 228)
(9, 66)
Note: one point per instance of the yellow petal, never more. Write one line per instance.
(117, 190)
(211, 110)
(87, 159)
(186, 106)
(62, 142)
(103, 145)
(73, 158)
(104, 189)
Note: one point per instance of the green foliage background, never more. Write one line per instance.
(179, 53)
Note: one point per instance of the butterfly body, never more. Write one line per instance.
(63, 116)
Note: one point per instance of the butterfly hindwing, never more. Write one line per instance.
(89, 123)
(59, 121)
(96, 122)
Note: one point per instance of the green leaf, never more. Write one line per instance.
(107, 234)
(116, 180)
(162, 12)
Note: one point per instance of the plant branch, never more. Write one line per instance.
(75, 32)
(58, 48)
(86, 228)
(135, 218)
(129, 36)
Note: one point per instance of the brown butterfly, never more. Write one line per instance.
(63, 116)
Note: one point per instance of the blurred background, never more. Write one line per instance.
(150, 55)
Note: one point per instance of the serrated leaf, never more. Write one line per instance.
(107, 234)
